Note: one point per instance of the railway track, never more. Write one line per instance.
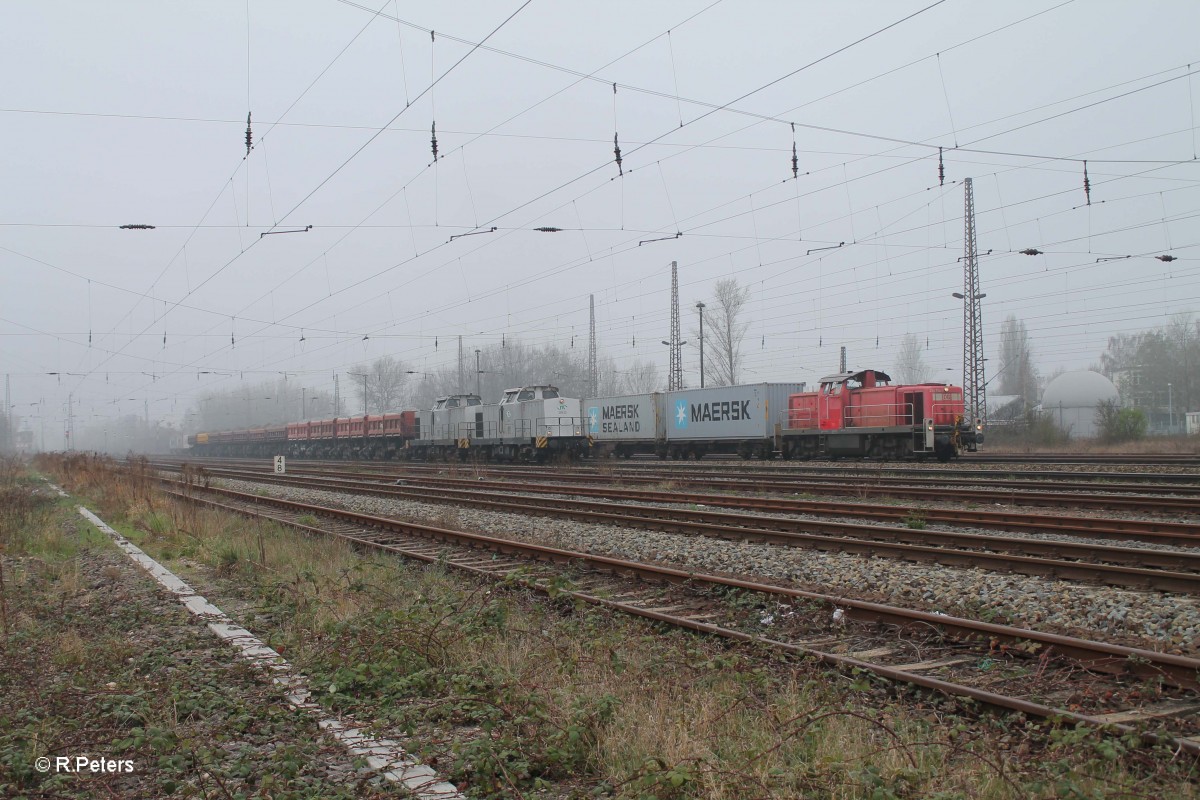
(964, 474)
(1043, 675)
(1028, 494)
(1181, 534)
(1183, 499)
(1119, 482)
(1150, 459)
(1162, 570)
(1138, 460)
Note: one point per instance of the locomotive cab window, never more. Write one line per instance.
(550, 393)
(526, 394)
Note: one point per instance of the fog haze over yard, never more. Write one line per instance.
(155, 271)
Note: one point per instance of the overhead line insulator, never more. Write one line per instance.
(795, 159)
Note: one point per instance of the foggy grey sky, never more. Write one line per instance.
(121, 112)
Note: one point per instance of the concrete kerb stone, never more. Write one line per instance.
(384, 755)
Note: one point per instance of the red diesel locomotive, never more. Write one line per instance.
(862, 414)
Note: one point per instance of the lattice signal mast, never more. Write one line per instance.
(593, 377)
(974, 384)
(675, 373)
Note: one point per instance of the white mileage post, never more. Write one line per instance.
(280, 465)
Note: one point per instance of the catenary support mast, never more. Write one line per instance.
(593, 377)
(974, 384)
(675, 372)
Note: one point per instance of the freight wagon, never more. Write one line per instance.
(691, 423)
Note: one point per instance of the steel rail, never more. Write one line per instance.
(1185, 485)
(864, 486)
(1096, 655)
(1177, 670)
(1119, 566)
(1157, 503)
(791, 469)
(1181, 534)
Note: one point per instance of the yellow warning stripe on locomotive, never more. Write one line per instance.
(464, 443)
(542, 441)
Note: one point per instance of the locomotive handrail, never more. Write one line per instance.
(471, 429)
(555, 426)
(795, 415)
(945, 413)
(852, 418)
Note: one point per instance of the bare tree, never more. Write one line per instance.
(724, 331)
(1017, 374)
(610, 378)
(910, 366)
(383, 386)
(1155, 369)
(512, 363)
(641, 378)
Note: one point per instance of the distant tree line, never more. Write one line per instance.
(125, 434)
(1143, 364)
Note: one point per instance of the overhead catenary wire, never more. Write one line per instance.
(635, 49)
(216, 199)
(793, 175)
(946, 94)
(371, 139)
(534, 278)
(228, 263)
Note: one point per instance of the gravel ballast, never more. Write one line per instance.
(1148, 619)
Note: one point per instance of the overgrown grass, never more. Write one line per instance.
(511, 695)
(96, 661)
(1000, 441)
